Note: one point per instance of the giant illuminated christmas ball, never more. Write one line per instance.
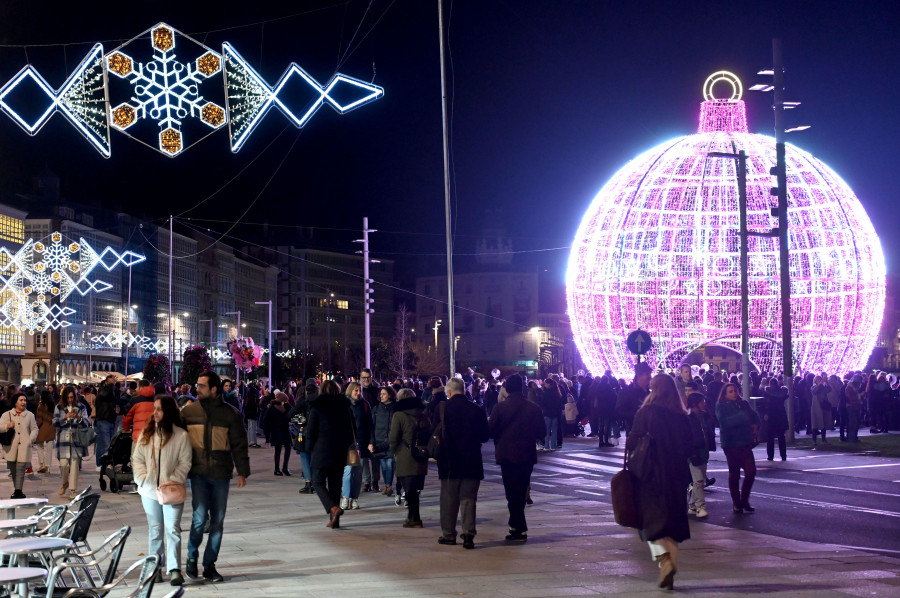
(658, 249)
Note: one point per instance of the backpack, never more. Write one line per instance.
(297, 428)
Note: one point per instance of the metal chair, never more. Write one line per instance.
(79, 565)
(148, 566)
(54, 517)
(79, 530)
(70, 506)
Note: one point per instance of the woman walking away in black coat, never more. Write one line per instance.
(774, 416)
(661, 492)
(329, 434)
(278, 433)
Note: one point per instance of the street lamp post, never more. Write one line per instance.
(437, 325)
(269, 303)
(210, 320)
(237, 370)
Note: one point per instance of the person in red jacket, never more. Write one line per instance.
(141, 412)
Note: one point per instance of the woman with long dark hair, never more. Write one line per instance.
(662, 498)
(69, 414)
(738, 434)
(163, 454)
(329, 434)
(18, 452)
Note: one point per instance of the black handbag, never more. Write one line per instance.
(7, 436)
(623, 492)
(640, 458)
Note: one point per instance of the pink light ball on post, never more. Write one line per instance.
(658, 249)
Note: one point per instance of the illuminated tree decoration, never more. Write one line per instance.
(81, 99)
(658, 249)
(40, 271)
(171, 93)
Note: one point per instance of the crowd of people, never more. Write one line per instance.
(359, 436)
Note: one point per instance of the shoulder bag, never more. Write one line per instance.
(7, 436)
(640, 459)
(353, 458)
(167, 493)
(83, 436)
(623, 492)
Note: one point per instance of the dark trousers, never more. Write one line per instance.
(516, 479)
(456, 494)
(740, 457)
(412, 485)
(209, 498)
(287, 456)
(782, 448)
(327, 483)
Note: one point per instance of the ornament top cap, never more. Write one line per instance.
(737, 90)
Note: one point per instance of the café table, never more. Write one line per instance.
(18, 525)
(21, 549)
(21, 576)
(11, 504)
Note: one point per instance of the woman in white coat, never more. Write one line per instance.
(163, 454)
(18, 453)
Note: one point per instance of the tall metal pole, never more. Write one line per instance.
(367, 291)
(269, 303)
(451, 331)
(128, 323)
(171, 332)
(783, 255)
(745, 272)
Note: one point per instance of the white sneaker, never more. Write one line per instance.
(701, 513)
(345, 503)
(692, 511)
(354, 504)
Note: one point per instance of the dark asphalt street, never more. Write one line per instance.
(828, 498)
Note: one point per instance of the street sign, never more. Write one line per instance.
(639, 342)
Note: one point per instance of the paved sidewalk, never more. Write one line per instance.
(276, 544)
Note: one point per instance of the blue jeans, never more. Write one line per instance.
(164, 519)
(304, 465)
(550, 441)
(208, 496)
(387, 470)
(352, 482)
(104, 432)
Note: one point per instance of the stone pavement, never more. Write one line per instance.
(276, 544)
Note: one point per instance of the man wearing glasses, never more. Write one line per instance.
(371, 470)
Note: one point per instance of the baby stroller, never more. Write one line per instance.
(115, 464)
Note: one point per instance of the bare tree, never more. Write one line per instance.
(399, 348)
(429, 361)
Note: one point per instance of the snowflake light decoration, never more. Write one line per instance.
(174, 94)
(658, 249)
(165, 90)
(41, 275)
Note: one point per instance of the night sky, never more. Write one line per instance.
(548, 99)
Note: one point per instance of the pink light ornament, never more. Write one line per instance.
(658, 249)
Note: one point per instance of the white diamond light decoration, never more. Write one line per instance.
(81, 99)
(41, 275)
